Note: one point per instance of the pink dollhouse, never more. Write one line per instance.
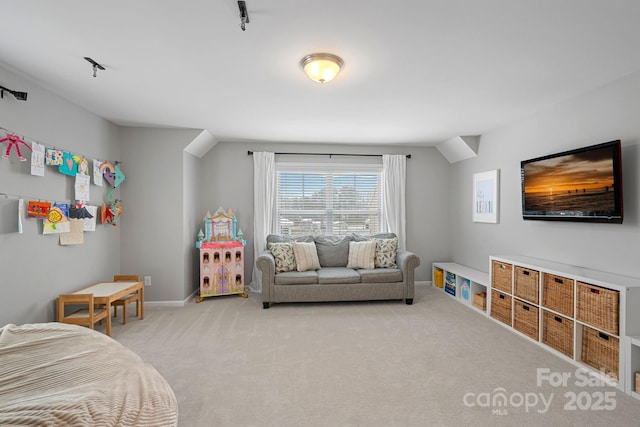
(221, 256)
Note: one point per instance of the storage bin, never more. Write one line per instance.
(480, 300)
(637, 382)
(557, 332)
(526, 319)
(600, 351)
(557, 294)
(438, 278)
(501, 307)
(501, 276)
(598, 307)
(526, 284)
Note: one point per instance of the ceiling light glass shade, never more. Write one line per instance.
(321, 67)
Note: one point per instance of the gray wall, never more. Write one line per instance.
(606, 114)
(229, 171)
(34, 268)
(157, 220)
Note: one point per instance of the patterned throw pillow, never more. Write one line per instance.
(283, 254)
(386, 251)
(361, 254)
(306, 256)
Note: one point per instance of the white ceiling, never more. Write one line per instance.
(416, 71)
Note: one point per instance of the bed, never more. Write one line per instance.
(61, 374)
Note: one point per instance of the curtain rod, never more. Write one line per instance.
(250, 153)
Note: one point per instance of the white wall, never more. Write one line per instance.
(606, 114)
(34, 268)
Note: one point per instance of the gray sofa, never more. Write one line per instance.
(334, 281)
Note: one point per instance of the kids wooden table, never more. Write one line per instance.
(108, 292)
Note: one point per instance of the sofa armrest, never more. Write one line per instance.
(408, 262)
(266, 263)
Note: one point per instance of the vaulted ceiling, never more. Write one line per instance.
(416, 71)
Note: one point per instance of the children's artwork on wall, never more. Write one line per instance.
(89, 222)
(68, 166)
(14, 141)
(107, 171)
(75, 236)
(37, 159)
(82, 187)
(53, 157)
(118, 177)
(111, 211)
(37, 209)
(83, 165)
(97, 174)
(56, 222)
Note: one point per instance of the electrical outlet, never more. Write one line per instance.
(147, 280)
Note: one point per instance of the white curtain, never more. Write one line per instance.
(264, 196)
(394, 175)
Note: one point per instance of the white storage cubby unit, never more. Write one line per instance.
(588, 317)
(461, 282)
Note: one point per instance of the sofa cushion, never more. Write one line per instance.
(386, 251)
(333, 251)
(333, 275)
(279, 238)
(306, 256)
(283, 256)
(362, 254)
(297, 278)
(380, 275)
(362, 237)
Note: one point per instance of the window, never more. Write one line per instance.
(328, 199)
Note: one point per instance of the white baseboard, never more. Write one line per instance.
(424, 283)
(171, 303)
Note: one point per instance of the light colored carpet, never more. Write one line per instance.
(231, 363)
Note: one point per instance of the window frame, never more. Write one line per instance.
(328, 213)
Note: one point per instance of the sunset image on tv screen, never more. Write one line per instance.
(575, 182)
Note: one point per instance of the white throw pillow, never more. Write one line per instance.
(306, 256)
(362, 254)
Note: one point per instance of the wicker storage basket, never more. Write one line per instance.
(526, 319)
(557, 294)
(480, 300)
(501, 307)
(526, 284)
(598, 307)
(557, 332)
(501, 276)
(601, 351)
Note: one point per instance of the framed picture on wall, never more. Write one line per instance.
(485, 196)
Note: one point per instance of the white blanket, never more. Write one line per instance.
(55, 374)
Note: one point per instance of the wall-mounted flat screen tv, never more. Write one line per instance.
(577, 185)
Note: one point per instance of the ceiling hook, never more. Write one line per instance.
(244, 15)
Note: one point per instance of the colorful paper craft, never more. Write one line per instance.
(68, 166)
(37, 209)
(14, 141)
(83, 165)
(56, 222)
(118, 177)
(53, 157)
(82, 187)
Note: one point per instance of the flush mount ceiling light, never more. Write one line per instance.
(322, 67)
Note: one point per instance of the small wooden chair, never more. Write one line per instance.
(127, 298)
(87, 316)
